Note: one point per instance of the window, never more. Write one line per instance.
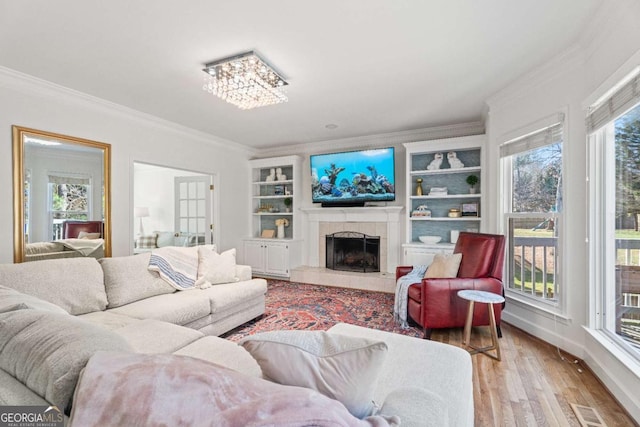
(532, 206)
(614, 146)
(68, 199)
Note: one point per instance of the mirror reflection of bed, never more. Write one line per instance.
(79, 238)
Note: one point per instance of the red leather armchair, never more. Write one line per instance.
(434, 303)
(71, 229)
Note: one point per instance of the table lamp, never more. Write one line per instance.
(141, 212)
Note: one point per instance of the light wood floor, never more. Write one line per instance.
(532, 385)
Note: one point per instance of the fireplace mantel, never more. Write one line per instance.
(365, 214)
(391, 215)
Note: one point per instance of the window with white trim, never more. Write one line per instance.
(532, 212)
(69, 198)
(613, 127)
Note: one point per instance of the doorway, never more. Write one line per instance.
(180, 205)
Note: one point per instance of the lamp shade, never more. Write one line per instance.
(140, 212)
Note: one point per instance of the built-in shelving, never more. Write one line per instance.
(273, 256)
(419, 156)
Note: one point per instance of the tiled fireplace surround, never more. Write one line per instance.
(374, 221)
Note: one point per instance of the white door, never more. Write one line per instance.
(277, 259)
(254, 255)
(193, 209)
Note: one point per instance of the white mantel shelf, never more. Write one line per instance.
(371, 213)
(391, 215)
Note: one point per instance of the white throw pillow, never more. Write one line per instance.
(444, 267)
(85, 235)
(215, 268)
(340, 367)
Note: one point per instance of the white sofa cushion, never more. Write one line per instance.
(344, 368)
(108, 319)
(152, 336)
(415, 406)
(127, 279)
(228, 295)
(178, 308)
(10, 298)
(222, 352)
(46, 351)
(75, 284)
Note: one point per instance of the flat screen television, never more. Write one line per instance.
(353, 178)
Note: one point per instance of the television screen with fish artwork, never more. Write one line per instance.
(353, 178)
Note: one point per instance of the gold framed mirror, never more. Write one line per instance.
(61, 196)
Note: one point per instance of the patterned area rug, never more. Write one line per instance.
(312, 307)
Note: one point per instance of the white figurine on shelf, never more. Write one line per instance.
(454, 161)
(436, 162)
(280, 176)
(272, 175)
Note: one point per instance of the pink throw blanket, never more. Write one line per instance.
(118, 389)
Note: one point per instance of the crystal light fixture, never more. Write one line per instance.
(245, 80)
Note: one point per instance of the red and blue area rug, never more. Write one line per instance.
(311, 307)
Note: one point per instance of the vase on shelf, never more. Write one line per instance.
(280, 234)
(419, 191)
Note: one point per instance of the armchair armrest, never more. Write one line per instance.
(440, 301)
(403, 270)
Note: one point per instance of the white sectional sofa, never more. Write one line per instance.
(80, 306)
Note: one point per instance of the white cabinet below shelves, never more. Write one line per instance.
(423, 254)
(271, 257)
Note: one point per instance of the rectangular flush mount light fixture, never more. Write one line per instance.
(245, 80)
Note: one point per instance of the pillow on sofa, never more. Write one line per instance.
(215, 268)
(127, 279)
(86, 235)
(10, 298)
(147, 242)
(340, 367)
(165, 238)
(46, 351)
(75, 284)
(444, 266)
(132, 389)
(14, 307)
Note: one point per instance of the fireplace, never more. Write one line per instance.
(352, 251)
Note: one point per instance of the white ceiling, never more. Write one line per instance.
(368, 66)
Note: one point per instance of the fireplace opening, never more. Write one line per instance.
(352, 251)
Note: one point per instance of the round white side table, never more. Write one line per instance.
(482, 297)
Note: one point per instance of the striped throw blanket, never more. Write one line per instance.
(402, 292)
(176, 265)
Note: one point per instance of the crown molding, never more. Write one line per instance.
(604, 22)
(27, 84)
(376, 140)
(569, 59)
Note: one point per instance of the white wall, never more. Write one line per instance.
(154, 188)
(134, 137)
(564, 85)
